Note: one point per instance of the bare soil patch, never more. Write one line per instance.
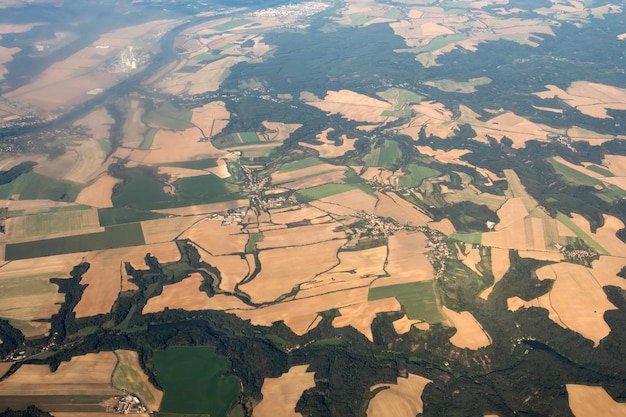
(591, 99)
(167, 229)
(280, 395)
(605, 236)
(26, 293)
(106, 276)
(233, 268)
(301, 314)
(404, 399)
(353, 201)
(589, 401)
(279, 274)
(216, 238)
(616, 164)
(211, 118)
(295, 215)
(354, 106)
(500, 264)
(404, 324)
(298, 236)
(83, 375)
(406, 261)
(328, 148)
(186, 295)
(99, 193)
(361, 316)
(576, 300)
(176, 146)
(469, 333)
(392, 205)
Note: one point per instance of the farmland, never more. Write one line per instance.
(193, 381)
(367, 208)
(418, 299)
(111, 237)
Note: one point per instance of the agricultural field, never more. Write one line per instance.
(193, 381)
(403, 399)
(80, 385)
(266, 209)
(129, 377)
(280, 395)
(386, 156)
(418, 299)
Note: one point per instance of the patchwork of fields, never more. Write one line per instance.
(372, 211)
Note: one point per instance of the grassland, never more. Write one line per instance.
(321, 191)
(197, 164)
(599, 170)
(32, 186)
(143, 191)
(193, 381)
(246, 137)
(121, 215)
(443, 40)
(418, 299)
(573, 176)
(581, 234)
(166, 116)
(473, 238)
(113, 237)
(148, 138)
(231, 25)
(417, 174)
(52, 222)
(300, 164)
(253, 239)
(386, 156)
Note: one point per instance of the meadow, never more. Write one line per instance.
(419, 300)
(193, 381)
(113, 237)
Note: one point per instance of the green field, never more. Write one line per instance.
(246, 138)
(572, 176)
(143, 190)
(253, 239)
(400, 98)
(50, 222)
(599, 170)
(418, 299)
(581, 234)
(32, 186)
(417, 174)
(359, 19)
(148, 137)
(321, 191)
(393, 14)
(386, 156)
(207, 58)
(443, 40)
(197, 164)
(231, 25)
(193, 382)
(473, 238)
(105, 145)
(300, 164)
(611, 194)
(112, 237)
(121, 215)
(166, 116)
